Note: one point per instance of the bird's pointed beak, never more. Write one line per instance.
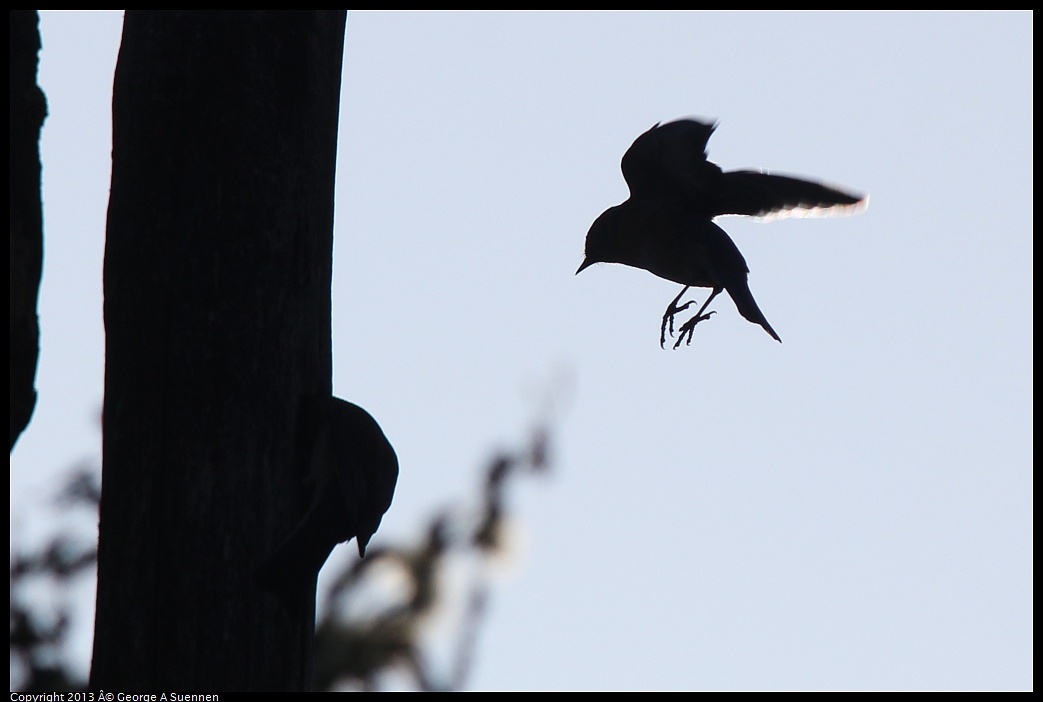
(586, 262)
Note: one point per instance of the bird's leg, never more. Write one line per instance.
(668, 316)
(688, 328)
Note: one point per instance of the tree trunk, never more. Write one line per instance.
(28, 109)
(217, 315)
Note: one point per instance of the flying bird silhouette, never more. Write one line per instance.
(666, 225)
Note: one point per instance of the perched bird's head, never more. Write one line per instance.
(601, 246)
(366, 467)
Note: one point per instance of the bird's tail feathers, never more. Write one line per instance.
(748, 308)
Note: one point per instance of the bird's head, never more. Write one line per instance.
(366, 466)
(601, 240)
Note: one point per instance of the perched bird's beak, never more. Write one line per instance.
(586, 262)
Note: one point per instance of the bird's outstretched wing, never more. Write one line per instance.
(764, 195)
(669, 158)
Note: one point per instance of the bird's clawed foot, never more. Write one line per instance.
(688, 328)
(668, 316)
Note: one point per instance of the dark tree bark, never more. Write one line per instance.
(217, 316)
(28, 109)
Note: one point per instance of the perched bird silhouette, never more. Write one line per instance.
(666, 225)
(352, 468)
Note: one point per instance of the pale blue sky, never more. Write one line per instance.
(851, 509)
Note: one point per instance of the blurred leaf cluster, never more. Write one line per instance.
(38, 632)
